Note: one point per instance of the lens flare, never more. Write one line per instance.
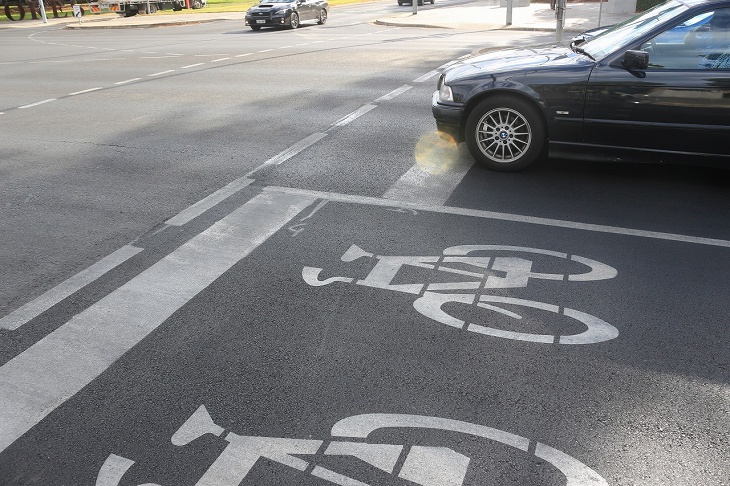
(436, 153)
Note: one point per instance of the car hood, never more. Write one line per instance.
(514, 60)
(269, 6)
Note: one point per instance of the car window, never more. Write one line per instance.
(702, 42)
(624, 34)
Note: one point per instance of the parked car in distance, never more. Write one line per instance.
(410, 2)
(286, 13)
(655, 88)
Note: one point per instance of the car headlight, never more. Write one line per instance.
(445, 93)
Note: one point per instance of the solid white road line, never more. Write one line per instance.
(36, 382)
(517, 218)
(41, 304)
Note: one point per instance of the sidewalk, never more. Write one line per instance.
(536, 16)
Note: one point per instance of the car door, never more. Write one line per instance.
(680, 103)
(304, 7)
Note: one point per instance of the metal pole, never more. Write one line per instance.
(560, 16)
(600, 10)
(43, 11)
(415, 6)
(508, 21)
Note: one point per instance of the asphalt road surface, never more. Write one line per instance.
(246, 258)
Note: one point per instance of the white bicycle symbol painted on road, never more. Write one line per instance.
(483, 273)
(422, 465)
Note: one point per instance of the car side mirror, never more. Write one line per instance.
(638, 60)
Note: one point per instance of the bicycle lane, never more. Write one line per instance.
(352, 341)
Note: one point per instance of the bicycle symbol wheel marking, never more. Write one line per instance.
(483, 274)
(424, 465)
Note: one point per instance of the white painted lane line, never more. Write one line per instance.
(36, 382)
(158, 57)
(426, 76)
(44, 302)
(36, 104)
(192, 65)
(353, 116)
(394, 93)
(287, 154)
(286, 47)
(517, 218)
(84, 91)
(431, 189)
(266, 50)
(161, 73)
(128, 81)
(221, 59)
(208, 202)
(244, 55)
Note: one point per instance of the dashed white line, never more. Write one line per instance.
(84, 91)
(66, 288)
(161, 73)
(244, 55)
(426, 76)
(128, 81)
(354, 115)
(394, 93)
(37, 103)
(293, 150)
(221, 59)
(192, 65)
(266, 50)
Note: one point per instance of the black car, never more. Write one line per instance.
(655, 88)
(286, 13)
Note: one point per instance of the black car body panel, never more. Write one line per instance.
(599, 108)
(279, 12)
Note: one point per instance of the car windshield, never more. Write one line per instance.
(626, 33)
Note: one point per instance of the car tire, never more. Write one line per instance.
(197, 4)
(400, 4)
(294, 20)
(255, 27)
(322, 17)
(505, 133)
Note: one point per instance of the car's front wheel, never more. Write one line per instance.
(505, 133)
(322, 17)
(255, 27)
(294, 20)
